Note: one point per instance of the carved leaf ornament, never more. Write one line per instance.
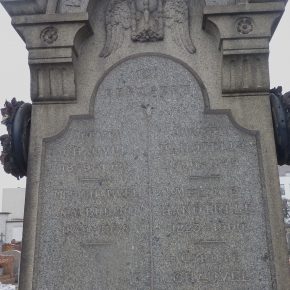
(146, 19)
(117, 21)
(177, 19)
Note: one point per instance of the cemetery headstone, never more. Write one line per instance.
(16, 263)
(6, 263)
(152, 159)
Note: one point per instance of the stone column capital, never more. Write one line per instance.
(53, 41)
(244, 31)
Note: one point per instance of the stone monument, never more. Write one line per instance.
(152, 161)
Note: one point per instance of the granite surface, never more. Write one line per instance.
(153, 191)
(72, 6)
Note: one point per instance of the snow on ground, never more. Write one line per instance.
(7, 287)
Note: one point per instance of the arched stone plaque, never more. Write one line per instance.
(154, 191)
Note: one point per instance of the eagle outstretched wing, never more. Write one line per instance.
(176, 15)
(118, 20)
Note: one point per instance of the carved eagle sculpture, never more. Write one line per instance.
(146, 19)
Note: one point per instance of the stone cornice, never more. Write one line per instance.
(243, 32)
(262, 7)
(53, 31)
(49, 18)
(53, 42)
(24, 7)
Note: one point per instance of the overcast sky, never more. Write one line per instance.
(14, 72)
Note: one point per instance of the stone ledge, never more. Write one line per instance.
(49, 18)
(53, 43)
(24, 7)
(244, 32)
(245, 8)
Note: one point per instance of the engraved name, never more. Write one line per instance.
(208, 208)
(101, 211)
(191, 277)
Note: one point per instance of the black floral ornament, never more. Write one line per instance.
(10, 156)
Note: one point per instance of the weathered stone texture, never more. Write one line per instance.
(72, 6)
(141, 172)
(148, 194)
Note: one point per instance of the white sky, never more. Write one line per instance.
(14, 80)
(14, 72)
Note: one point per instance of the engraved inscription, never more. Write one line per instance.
(72, 6)
(152, 192)
(210, 277)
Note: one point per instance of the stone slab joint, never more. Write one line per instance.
(244, 33)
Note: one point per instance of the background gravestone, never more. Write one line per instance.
(16, 264)
(152, 159)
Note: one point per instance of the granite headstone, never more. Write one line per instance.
(148, 190)
(152, 162)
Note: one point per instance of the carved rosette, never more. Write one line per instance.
(49, 35)
(245, 25)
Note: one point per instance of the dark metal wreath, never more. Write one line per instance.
(281, 121)
(16, 116)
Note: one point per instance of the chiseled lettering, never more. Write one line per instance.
(70, 213)
(112, 193)
(177, 228)
(231, 227)
(187, 210)
(148, 72)
(93, 212)
(190, 277)
(87, 135)
(103, 228)
(153, 90)
(182, 147)
(100, 212)
(63, 193)
(208, 208)
(210, 256)
(88, 152)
